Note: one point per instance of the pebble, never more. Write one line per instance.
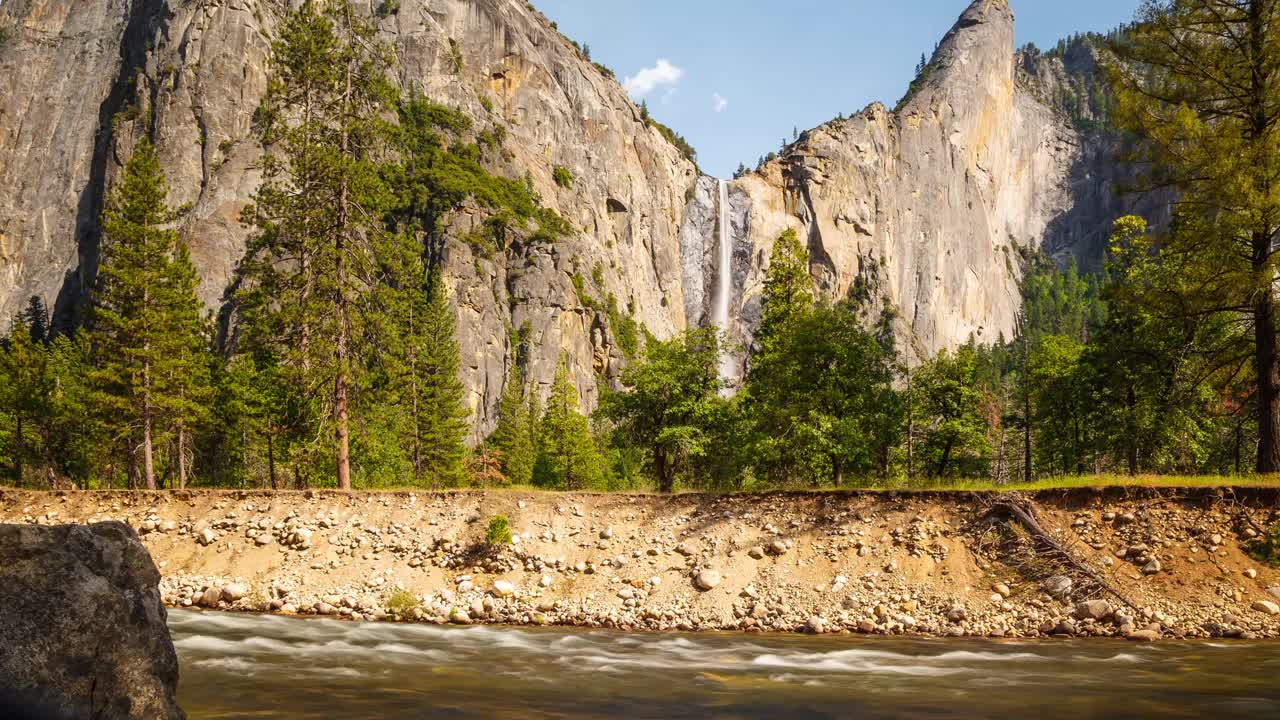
(707, 579)
(502, 588)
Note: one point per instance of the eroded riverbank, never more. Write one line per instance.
(321, 668)
(874, 563)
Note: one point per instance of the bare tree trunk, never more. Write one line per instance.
(148, 464)
(340, 387)
(182, 457)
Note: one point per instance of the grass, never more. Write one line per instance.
(892, 485)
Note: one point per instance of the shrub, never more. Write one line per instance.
(402, 602)
(563, 177)
(1266, 548)
(499, 532)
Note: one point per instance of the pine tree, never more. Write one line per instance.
(309, 271)
(1199, 88)
(516, 432)
(567, 455)
(23, 395)
(147, 332)
(433, 392)
(788, 288)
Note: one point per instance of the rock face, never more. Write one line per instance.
(82, 80)
(927, 206)
(930, 205)
(83, 631)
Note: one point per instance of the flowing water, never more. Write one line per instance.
(724, 282)
(247, 666)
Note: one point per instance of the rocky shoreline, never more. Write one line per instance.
(1172, 562)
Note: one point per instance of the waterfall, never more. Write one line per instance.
(724, 284)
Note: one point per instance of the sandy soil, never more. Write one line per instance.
(913, 563)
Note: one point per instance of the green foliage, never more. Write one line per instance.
(148, 329)
(788, 290)
(387, 8)
(563, 177)
(625, 329)
(946, 407)
(567, 455)
(516, 436)
(402, 602)
(821, 401)
(498, 533)
(1196, 87)
(439, 172)
(1266, 547)
(673, 406)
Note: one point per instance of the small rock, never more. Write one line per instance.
(1250, 573)
(206, 537)
(502, 588)
(1058, 586)
(777, 547)
(816, 625)
(1152, 567)
(707, 579)
(1143, 636)
(756, 552)
(234, 592)
(210, 598)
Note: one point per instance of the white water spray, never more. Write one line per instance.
(724, 285)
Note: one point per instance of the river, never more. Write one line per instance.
(260, 666)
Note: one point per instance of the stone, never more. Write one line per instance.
(83, 630)
(1153, 567)
(1266, 607)
(816, 625)
(1093, 610)
(1274, 591)
(324, 608)
(1058, 586)
(210, 597)
(756, 553)
(206, 537)
(607, 533)
(957, 614)
(1143, 635)
(686, 549)
(627, 593)
(777, 547)
(707, 579)
(1250, 573)
(502, 588)
(263, 539)
(234, 592)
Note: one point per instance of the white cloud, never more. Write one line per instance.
(649, 79)
(719, 102)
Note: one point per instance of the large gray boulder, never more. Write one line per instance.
(82, 631)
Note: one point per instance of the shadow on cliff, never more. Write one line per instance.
(145, 19)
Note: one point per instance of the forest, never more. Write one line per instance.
(335, 364)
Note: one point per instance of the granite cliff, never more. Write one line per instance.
(927, 205)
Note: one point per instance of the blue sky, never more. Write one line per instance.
(739, 75)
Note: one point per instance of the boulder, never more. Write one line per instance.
(1093, 609)
(1266, 607)
(83, 632)
(234, 592)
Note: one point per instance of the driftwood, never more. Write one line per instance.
(1047, 547)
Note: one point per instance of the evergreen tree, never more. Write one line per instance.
(432, 393)
(309, 271)
(1199, 85)
(567, 455)
(147, 332)
(517, 430)
(788, 290)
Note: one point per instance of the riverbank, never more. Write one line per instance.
(1152, 562)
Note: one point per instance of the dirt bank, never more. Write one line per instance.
(1152, 562)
